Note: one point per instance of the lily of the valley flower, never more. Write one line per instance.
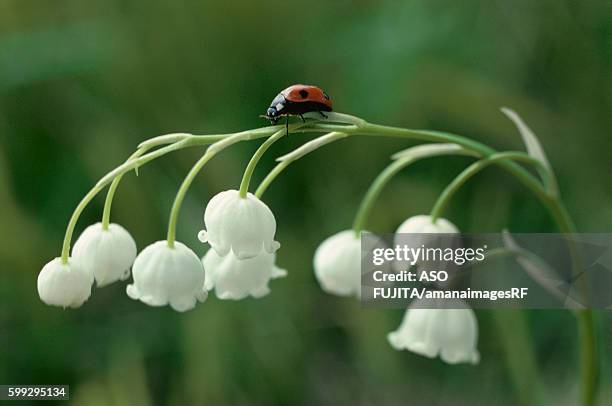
(337, 264)
(423, 224)
(106, 254)
(64, 285)
(416, 232)
(234, 278)
(245, 226)
(164, 275)
(451, 333)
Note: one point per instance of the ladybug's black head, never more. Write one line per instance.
(274, 111)
(272, 115)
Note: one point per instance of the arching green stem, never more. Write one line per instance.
(476, 167)
(113, 188)
(102, 183)
(471, 145)
(587, 328)
(405, 158)
(248, 173)
(287, 159)
(210, 153)
(263, 186)
(374, 191)
(180, 196)
(425, 135)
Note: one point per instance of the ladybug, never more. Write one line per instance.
(298, 100)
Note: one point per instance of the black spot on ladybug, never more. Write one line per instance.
(303, 93)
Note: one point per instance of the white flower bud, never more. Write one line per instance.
(233, 278)
(65, 285)
(106, 254)
(246, 226)
(450, 333)
(164, 275)
(337, 264)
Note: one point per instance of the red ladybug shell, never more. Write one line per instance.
(307, 93)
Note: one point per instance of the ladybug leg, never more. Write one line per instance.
(287, 124)
(323, 114)
(303, 119)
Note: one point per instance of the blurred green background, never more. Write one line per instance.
(82, 83)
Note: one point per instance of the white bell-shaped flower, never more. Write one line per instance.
(234, 278)
(423, 224)
(65, 285)
(164, 275)
(337, 264)
(106, 254)
(246, 226)
(451, 333)
(417, 231)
